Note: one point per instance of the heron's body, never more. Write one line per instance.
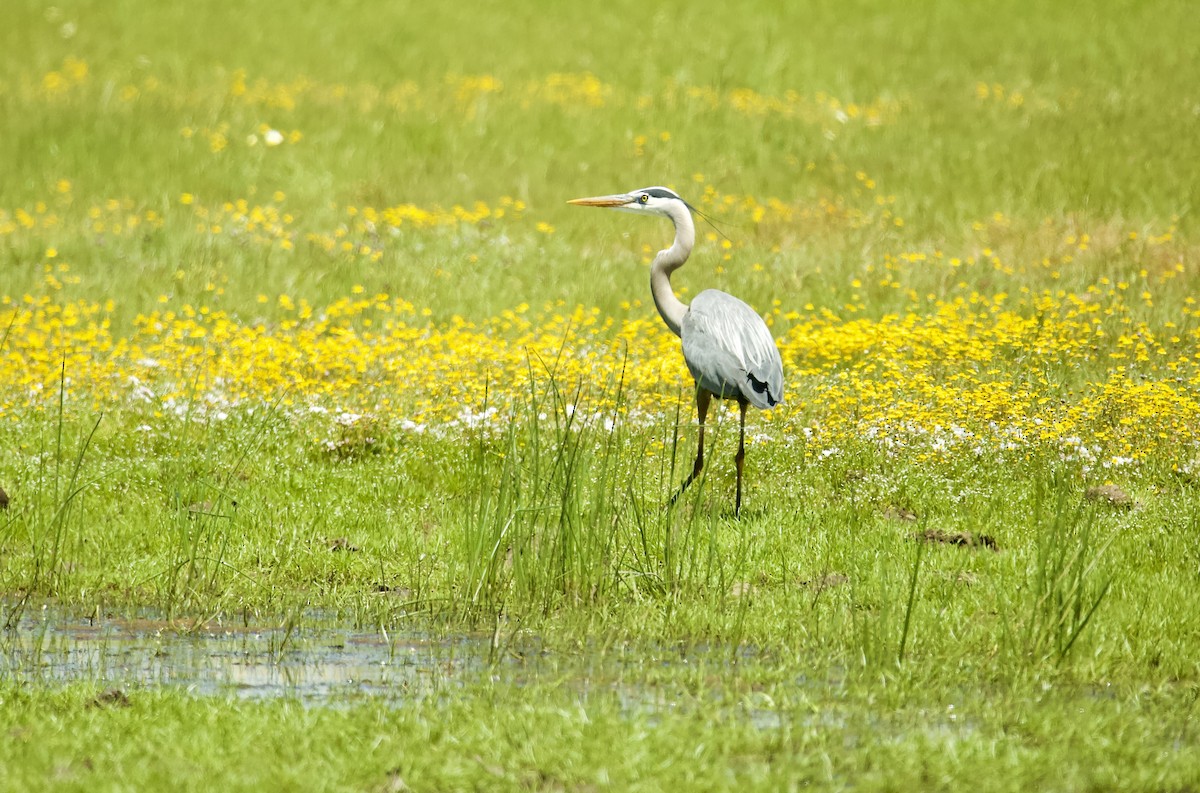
(727, 346)
(729, 350)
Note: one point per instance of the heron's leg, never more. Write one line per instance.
(741, 456)
(703, 399)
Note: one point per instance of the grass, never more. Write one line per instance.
(296, 318)
(555, 737)
(485, 738)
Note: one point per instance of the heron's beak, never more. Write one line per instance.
(604, 201)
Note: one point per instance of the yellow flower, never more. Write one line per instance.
(54, 83)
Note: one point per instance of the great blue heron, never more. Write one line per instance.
(726, 344)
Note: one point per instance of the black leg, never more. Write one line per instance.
(703, 399)
(741, 456)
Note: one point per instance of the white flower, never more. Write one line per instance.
(273, 137)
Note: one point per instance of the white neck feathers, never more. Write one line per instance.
(670, 307)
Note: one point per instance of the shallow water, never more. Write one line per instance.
(319, 661)
(324, 662)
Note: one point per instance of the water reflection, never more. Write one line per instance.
(325, 662)
(318, 661)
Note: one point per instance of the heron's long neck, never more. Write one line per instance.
(671, 308)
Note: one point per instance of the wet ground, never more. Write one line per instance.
(319, 661)
(325, 663)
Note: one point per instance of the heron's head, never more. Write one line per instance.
(646, 201)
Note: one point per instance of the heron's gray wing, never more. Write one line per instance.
(730, 351)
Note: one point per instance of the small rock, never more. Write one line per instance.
(1109, 494)
(113, 698)
(964, 539)
(395, 783)
(900, 513)
(741, 589)
(209, 509)
(399, 592)
(827, 581)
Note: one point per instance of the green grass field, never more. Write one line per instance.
(295, 321)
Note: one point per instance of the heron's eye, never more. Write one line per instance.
(643, 198)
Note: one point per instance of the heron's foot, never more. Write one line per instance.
(748, 513)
